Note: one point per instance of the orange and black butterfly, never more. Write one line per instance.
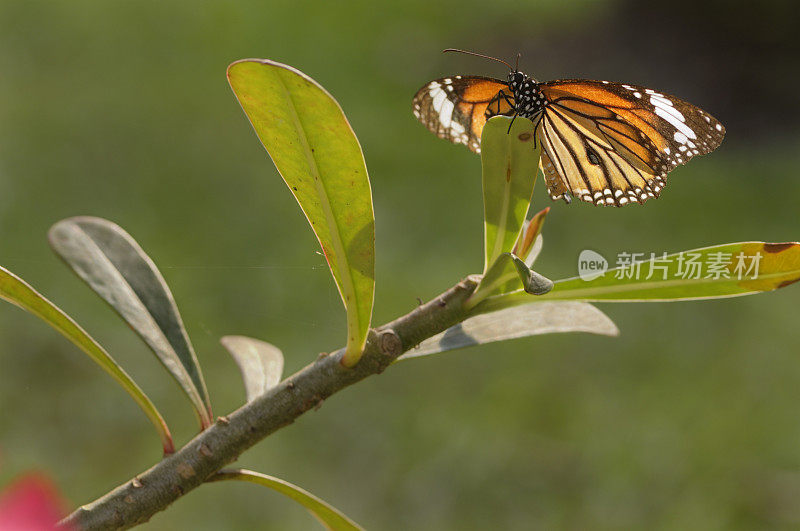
(606, 143)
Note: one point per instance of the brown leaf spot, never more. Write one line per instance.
(777, 247)
(788, 282)
(525, 137)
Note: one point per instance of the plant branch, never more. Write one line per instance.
(135, 501)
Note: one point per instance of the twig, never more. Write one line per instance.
(137, 500)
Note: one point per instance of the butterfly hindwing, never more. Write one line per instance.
(456, 108)
(616, 142)
(556, 186)
(590, 167)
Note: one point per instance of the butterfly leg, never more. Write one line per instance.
(510, 103)
(512, 123)
(507, 99)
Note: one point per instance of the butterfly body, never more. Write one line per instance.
(529, 100)
(605, 143)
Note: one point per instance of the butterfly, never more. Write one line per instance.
(605, 143)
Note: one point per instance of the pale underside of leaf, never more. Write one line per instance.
(260, 363)
(110, 261)
(529, 320)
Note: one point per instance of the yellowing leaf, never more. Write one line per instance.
(316, 152)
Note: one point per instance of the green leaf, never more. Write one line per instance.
(728, 270)
(529, 320)
(532, 282)
(260, 363)
(16, 291)
(110, 261)
(507, 274)
(328, 516)
(318, 155)
(510, 162)
(527, 247)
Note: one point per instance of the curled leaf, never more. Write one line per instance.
(110, 261)
(260, 363)
(525, 247)
(532, 282)
(507, 274)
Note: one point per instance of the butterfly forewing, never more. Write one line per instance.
(676, 129)
(456, 108)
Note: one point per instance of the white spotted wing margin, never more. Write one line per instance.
(456, 108)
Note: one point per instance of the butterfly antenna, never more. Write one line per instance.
(479, 55)
(519, 54)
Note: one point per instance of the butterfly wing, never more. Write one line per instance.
(612, 143)
(556, 185)
(456, 108)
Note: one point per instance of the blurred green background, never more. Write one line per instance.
(121, 109)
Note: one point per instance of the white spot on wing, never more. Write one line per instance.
(677, 124)
(656, 99)
(664, 109)
(438, 99)
(446, 113)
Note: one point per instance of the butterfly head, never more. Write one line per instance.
(516, 80)
(527, 97)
